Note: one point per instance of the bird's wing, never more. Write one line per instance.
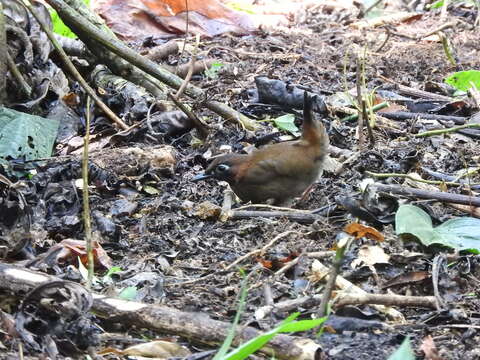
(271, 168)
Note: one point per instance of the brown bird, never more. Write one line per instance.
(277, 173)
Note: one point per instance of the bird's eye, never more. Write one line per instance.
(223, 168)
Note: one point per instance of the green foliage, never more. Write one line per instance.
(460, 233)
(23, 135)
(287, 326)
(58, 25)
(286, 123)
(110, 272)
(248, 348)
(231, 333)
(464, 80)
(438, 4)
(212, 72)
(404, 352)
(129, 293)
(243, 7)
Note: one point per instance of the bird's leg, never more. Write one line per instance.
(305, 194)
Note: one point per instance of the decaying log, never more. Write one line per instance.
(193, 326)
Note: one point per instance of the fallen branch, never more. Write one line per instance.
(426, 194)
(344, 284)
(73, 19)
(344, 299)
(306, 218)
(69, 65)
(193, 326)
(410, 177)
(405, 115)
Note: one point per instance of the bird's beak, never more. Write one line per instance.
(201, 177)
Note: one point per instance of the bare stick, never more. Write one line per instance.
(409, 177)
(306, 218)
(425, 194)
(86, 204)
(344, 299)
(405, 115)
(350, 288)
(199, 125)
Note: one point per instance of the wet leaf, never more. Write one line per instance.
(24, 135)
(460, 233)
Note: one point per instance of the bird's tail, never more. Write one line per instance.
(313, 130)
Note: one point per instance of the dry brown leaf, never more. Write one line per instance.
(359, 231)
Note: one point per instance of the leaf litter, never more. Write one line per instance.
(151, 227)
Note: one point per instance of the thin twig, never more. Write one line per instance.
(426, 194)
(191, 64)
(25, 88)
(199, 125)
(447, 131)
(86, 204)
(239, 260)
(332, 278)
(374, 108)
(409, 177)
(361, 118)
(67, 62)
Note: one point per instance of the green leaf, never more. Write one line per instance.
(231, 332)
(150, 190)
(410, 219)
(404, 352)
(437, 4)
(241, 6)
(248, 348)
(110, 272)
(59, 26)
(302, 325)
(286, 123)
(463, 80)
(212, 71)
(287, 326)
(129, 293)
(460, 233)
(24, 135)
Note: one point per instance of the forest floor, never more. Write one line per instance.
(165, 233)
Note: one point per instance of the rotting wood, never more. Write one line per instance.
(193, 326)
